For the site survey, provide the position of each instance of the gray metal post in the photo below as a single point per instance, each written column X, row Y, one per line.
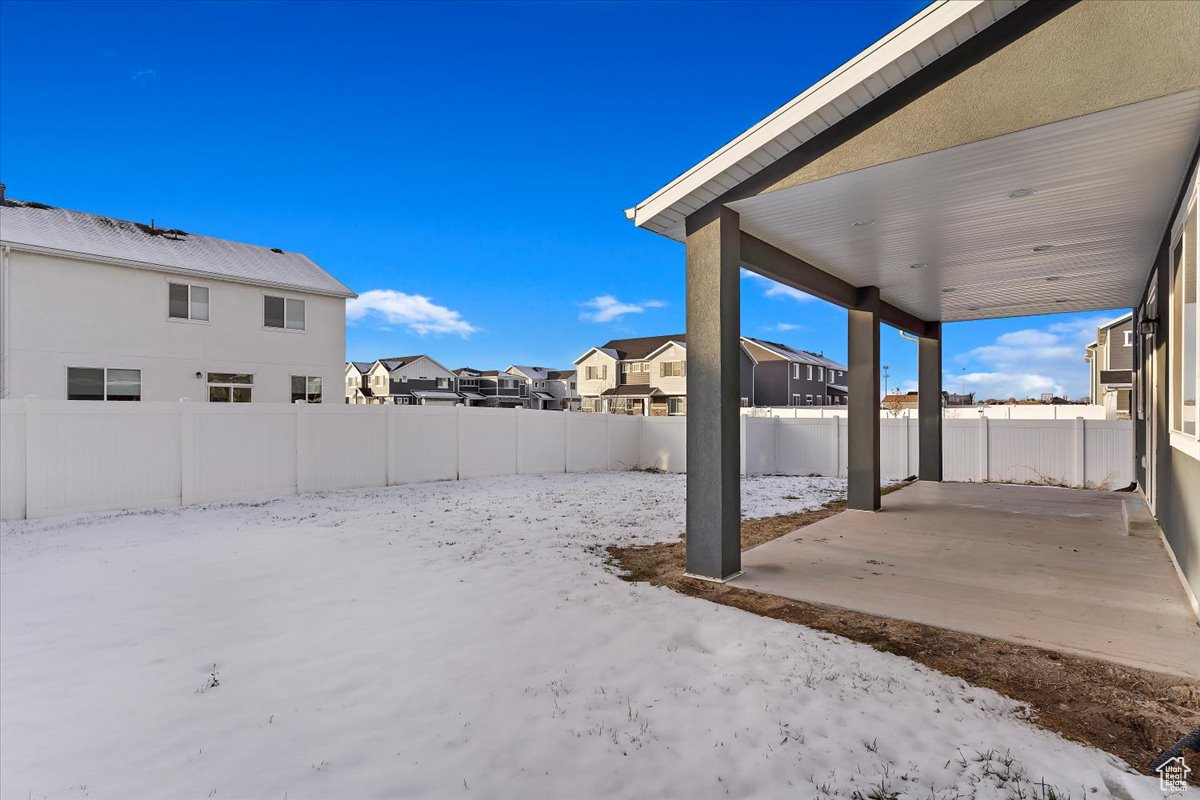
column 929, row 402
column 863, row 402
column 714, row 395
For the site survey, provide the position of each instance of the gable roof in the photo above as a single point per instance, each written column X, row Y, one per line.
column 38, row 228
column 914, row 45
column 363, row 367
column 794, row 354
column 640, row 347
column 396, row 362
column 533, row 373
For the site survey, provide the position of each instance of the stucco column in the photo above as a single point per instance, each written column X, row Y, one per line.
column 863, row 402
column 929, row 402
column 713, row 435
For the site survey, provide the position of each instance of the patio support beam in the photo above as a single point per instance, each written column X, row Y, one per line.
column 929, row 403
column 863, row 402
column 714, row 395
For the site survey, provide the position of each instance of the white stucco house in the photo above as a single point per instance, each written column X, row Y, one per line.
column 95, row 308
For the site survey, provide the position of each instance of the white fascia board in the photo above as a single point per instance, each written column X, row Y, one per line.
column 823, row 95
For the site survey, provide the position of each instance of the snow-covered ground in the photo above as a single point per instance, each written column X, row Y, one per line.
column 461, row 639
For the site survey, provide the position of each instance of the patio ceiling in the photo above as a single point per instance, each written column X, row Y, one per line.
column 1102, row 188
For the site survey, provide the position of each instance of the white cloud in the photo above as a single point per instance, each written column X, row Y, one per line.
column 412, row 311
column 773, row 289
column 784, row 327
column 606, row 308
column 1030, row 362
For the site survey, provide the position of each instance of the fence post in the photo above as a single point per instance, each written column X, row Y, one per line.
column 837, row 446
column 459, row 440
column 300, row 476
column 566, row 443
column 983, row 448
column 907, row 446
column 187, row 460
column 390, row 434
column 1080, row 476
column 33, row 434
column 607, row 443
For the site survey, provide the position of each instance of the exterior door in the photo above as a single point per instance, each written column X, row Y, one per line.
column 1149, row 389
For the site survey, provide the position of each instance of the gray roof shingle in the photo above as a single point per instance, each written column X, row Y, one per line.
column 42, row 228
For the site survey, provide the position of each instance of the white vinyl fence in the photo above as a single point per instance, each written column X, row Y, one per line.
column 999, row 411
column 63, row 457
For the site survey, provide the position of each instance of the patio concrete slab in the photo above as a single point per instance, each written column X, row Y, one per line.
column 1055, row 568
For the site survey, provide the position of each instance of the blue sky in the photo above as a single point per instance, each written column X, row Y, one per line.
column 463, row 166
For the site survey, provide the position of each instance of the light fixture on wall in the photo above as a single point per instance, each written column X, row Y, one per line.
column 199, row 375
column 1148, row 327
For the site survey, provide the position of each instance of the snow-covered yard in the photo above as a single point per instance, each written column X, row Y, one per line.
column 462, row 639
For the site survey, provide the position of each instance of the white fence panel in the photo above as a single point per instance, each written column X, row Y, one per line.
column 95, row 456
column 487, row 442
column 541, row 442
column 758, row 446
column 586, row 442
column 894, row 449
column 808, row 446
column 238, row 451
column 960, row 449
column 624, row 441
column 423, row 443
column 341, row 447
column 1031, row 450
column 12, row 459
column 664, row 443
column 1108, row 454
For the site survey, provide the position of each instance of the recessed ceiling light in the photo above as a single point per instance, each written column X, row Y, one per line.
column 1052, row 278
column 1041, row 248
column 1019, row 193
column 948, row 290
column 917, row 266
column 862, row 223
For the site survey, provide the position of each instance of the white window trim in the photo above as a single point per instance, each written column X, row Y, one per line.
column 67, row 384
column 307, row 378
column 263, row 312
column 208, row 385
column 1186, row 443
column 810, row 372
column 188, row 319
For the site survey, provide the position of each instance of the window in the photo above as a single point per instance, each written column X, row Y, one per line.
column 464, row 383
column 185, row 301
column 230, row 387
column 283, row 312
column 676, row 406
column 1185, row 318
column 98, row 383
column 821, row 374
column 808, row 398
column 572, row 385
column 306, row 388
column 1129, row 338
column 443, row 383
column 796, row 371
column 672, row 369
column 597, row 373
column 839, row 373
column 796, row 397
column 810, row 372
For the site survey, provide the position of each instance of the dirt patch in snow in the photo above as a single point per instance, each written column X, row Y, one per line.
column 1134, row 714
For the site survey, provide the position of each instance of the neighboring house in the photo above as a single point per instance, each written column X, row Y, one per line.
column 417, row 381
column 547, row 388
column 358, row 389
column 1110, row 366
column 96, row 308
column 646, row 375
column 491, row 388
column 784, row 376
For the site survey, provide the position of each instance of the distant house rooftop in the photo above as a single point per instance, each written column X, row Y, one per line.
column 39, row 228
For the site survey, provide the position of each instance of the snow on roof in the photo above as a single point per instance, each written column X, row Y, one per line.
column 35, row 227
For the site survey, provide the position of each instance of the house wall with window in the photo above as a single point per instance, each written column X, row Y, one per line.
column 73, row 314
column 595, row 373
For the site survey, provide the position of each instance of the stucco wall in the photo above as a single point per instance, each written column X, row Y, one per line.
column 69, row 313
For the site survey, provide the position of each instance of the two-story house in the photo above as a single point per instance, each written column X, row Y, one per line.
column 358, row 388
column 96, row 308
column 1110, row 366
column 546, row 388
column 646, row 375
column 785, row 376
column 415, row 380
column 491, row 388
